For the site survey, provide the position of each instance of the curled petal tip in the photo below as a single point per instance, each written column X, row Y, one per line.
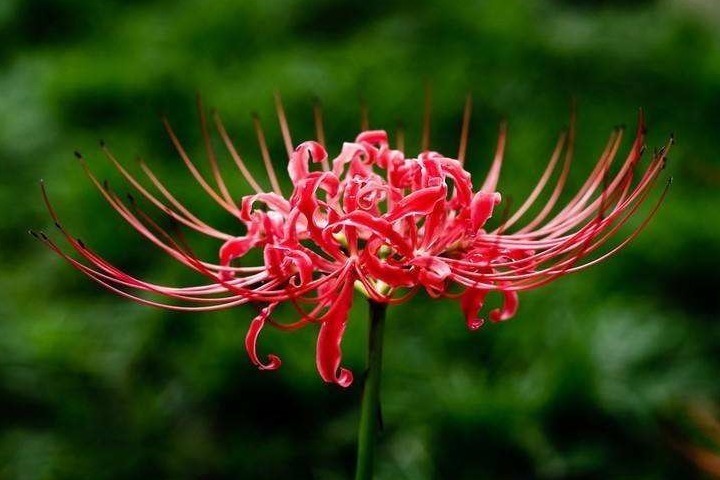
column 344, row 377
column 475, row 324
column 273, row 363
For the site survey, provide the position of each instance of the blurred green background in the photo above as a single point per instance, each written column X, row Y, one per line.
column 592, row 379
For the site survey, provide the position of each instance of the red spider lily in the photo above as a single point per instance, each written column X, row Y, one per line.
column 374, row 220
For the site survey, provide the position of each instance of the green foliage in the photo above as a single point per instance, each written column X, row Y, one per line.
column 583, row 383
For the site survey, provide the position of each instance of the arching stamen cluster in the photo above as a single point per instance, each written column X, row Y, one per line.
column 370, row 218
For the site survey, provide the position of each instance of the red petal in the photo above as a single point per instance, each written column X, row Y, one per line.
column 251, row 340
column 471, row 302
column 420, row 202
column 329, row 352
column 376, row 138
column 509, row 308
column 481, row 209
column 298, row 167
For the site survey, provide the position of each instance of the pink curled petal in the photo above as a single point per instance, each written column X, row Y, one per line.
column 347, row 154
column 471, row 302
column 420, row 202
column 509, row 309
column 481, row 209
column 437, row 266
column 237, row 247
column 377, row 226
column 317, row 151
column 299, row 167
column 272, row 200
column 273, row 362
column 375, row 138
column 461, row 180
column 332, row 328
column 304, row 266
column 381, row 270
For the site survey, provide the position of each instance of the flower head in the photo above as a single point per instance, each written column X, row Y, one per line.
column 377, row 220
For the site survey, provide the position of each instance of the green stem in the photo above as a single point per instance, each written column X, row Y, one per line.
column 370, row 408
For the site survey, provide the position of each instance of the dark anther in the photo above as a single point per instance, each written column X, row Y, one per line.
column 80, row 242
column 78, row 155
column 57, row 224
column 102, row 143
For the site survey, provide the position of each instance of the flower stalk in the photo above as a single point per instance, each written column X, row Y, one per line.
column 370, row 420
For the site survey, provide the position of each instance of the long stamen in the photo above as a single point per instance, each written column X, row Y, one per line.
column 193, row 169
column 192, row 221
column 364, row 116
column 266, row 155
column 494, row 174
column 320, row 131
column 425, row 141
column 541, row 183
column 467, row 113
column 284, row 128
column 400, row 137
column 570, row 148
column 187, row 218
column 235, row 156
column 210, row 151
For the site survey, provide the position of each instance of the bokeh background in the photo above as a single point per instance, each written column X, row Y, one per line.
column 612, row 373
